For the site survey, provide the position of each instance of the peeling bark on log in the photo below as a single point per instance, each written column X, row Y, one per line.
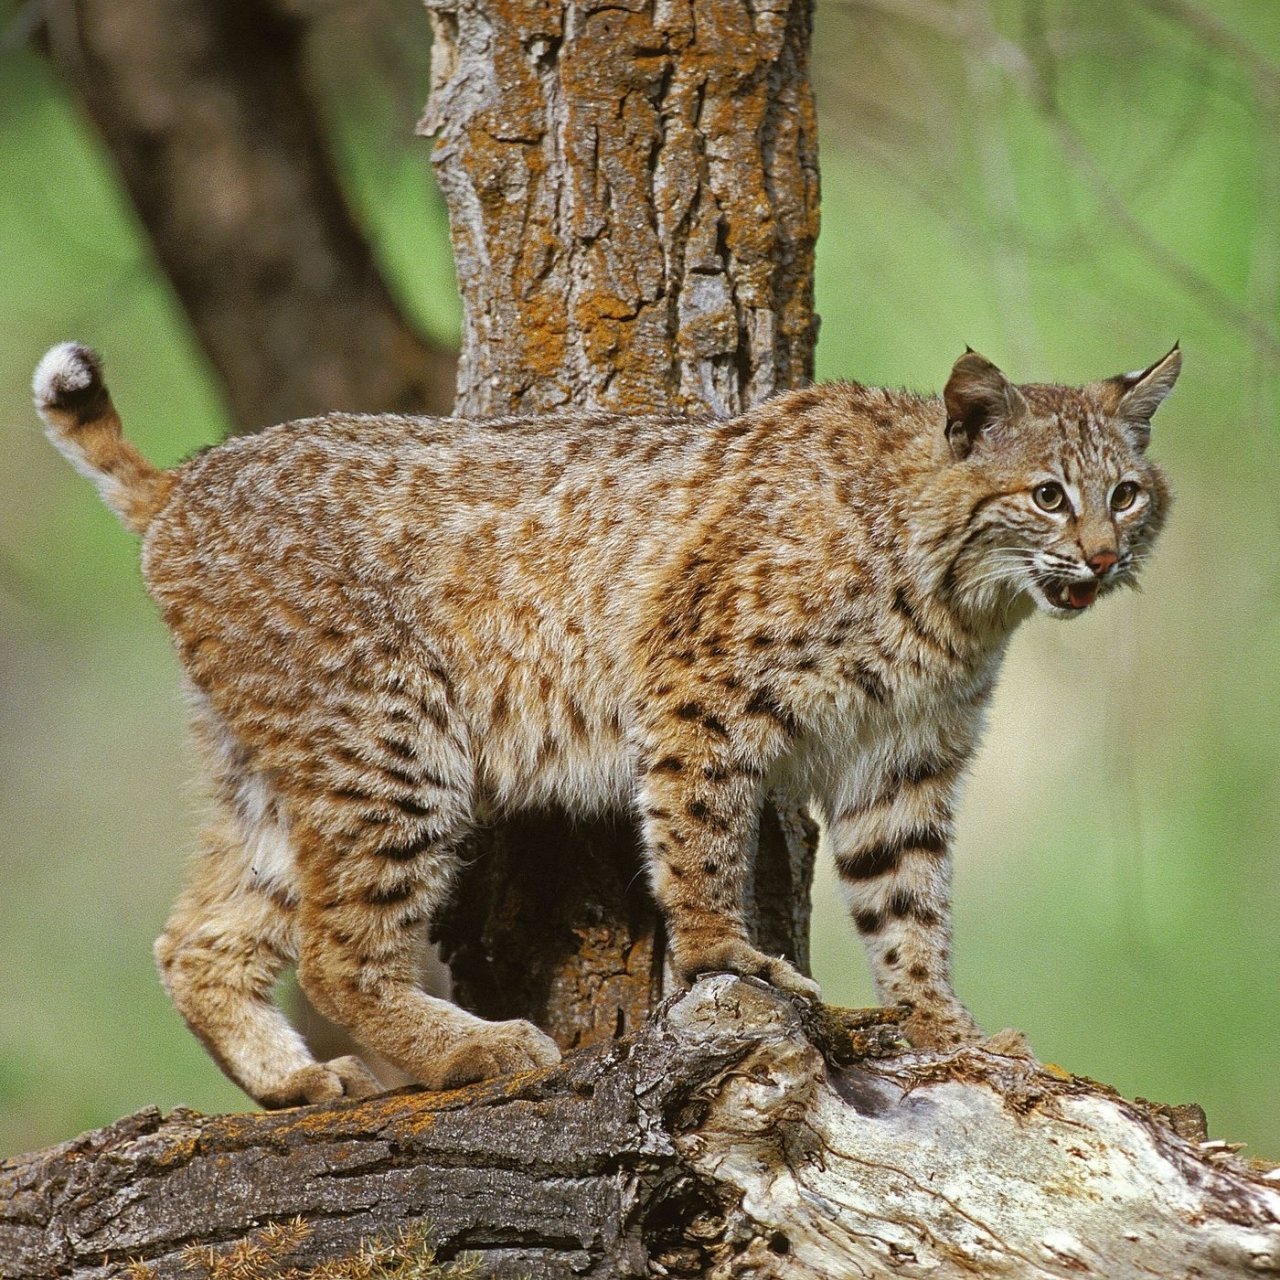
column 740, row 1135
column 633, row 198
column 204, row 106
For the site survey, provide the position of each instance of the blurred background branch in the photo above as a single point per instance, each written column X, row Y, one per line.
column 207, row 110
column 1031, row 68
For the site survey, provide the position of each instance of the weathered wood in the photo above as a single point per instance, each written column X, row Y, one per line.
column 740, row 1135
column 633, row 198
column 545, row 926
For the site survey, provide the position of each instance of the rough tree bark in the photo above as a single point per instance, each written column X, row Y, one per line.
column 633, row 196
column 736, row 1136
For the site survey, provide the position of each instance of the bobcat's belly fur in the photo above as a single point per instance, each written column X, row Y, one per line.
column 395, row 628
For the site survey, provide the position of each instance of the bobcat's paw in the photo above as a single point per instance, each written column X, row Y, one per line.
column 941, row 1029
column 497, row 1049
column 323, row 1082
column 1009, row 1043
column 732, row 955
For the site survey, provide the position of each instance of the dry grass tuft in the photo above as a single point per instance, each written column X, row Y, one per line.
column 265, row 1255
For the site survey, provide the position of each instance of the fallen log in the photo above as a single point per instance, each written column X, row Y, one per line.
column 737, row 1134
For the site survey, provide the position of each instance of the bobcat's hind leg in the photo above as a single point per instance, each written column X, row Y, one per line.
column 376, row 854
column 226, row 942
column 357, row 965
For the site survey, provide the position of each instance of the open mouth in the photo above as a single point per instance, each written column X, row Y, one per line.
column 1070, row 595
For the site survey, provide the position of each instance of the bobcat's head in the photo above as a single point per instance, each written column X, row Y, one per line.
column 1068, row 503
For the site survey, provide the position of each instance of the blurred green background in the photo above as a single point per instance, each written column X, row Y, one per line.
column 1066, row 186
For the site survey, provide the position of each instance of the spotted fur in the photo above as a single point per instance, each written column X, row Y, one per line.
column 394, row 628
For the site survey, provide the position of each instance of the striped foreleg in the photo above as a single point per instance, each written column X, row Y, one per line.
column 699, row 809
column 892, row 854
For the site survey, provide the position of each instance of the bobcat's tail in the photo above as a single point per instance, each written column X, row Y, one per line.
column 83, row 424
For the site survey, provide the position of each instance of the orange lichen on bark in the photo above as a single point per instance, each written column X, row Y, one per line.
column 633, row 201
column 605, row 987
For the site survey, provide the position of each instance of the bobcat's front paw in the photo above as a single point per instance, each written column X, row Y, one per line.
column 732, row 955
column 323, row 1082
column 497, row 1049
column 948, row 1027
column 1009, row 1043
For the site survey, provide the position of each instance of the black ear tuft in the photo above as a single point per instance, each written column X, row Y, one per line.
column 1143, row 392
column 1134, row 397
column 978, row 396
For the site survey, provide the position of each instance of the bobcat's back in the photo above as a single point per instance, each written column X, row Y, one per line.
column 531, row 563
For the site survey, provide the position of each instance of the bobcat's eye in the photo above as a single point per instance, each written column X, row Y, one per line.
column 1049, row 496
column 1124, row 495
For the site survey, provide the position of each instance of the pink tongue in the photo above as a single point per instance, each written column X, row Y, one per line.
column 1081, row 594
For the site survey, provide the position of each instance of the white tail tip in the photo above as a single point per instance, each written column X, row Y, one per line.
column 66, row 373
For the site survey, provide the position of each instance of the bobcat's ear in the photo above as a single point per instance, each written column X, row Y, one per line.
column 1134, row 397
column 978, row 397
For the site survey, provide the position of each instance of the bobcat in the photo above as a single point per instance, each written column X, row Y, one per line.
column 393, row 627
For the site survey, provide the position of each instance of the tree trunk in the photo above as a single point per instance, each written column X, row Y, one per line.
column 633, row 197
column 736, row 1136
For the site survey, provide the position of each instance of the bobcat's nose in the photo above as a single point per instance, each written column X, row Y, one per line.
column 1101, row 561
